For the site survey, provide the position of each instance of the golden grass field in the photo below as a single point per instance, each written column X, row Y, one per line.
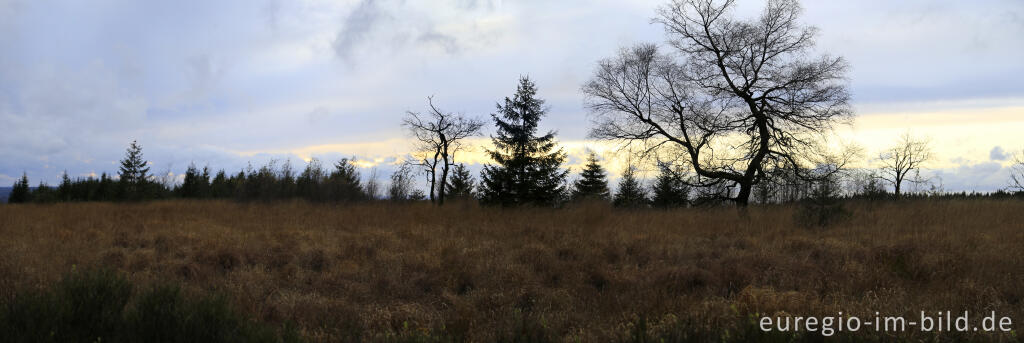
column 590, row 273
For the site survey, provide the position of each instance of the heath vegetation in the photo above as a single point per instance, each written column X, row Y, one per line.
column 416, row 272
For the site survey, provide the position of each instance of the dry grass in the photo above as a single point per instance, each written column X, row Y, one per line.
column 376, row 271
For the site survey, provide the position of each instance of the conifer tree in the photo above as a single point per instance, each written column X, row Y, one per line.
column 106, row 191
column 43, row 193
column 593, row 182
column 196, row 184
column 630, row 194
column 133, row 172
column 21, row 192
column 343, row 183
column 461, row 184
column 528, row 170
column 670, row 189
column 220, row 187
column 64, row 189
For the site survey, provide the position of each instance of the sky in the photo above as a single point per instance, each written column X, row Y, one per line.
column 233, row 83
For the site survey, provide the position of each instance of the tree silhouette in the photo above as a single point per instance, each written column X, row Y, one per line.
column 593, row 182
column 1017, row 172
column 439, row 136
column 461, row 184
column 133, row 173
column 343, row 183
column 400, row 188
column 528, row 166
column 195, row 184
column 670, row 188
column 64, row 189
column 751, row 91
column 20, row 193
column 631, row 193
column 905, row 157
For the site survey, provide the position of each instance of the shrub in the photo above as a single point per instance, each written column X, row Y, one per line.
column 98, row 305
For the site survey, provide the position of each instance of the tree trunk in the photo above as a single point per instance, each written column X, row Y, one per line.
column 444, row 177
column 743, row 198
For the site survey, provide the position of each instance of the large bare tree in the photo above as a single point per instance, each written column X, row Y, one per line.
column 735, row 100
column 903, row 158
column 439, row 136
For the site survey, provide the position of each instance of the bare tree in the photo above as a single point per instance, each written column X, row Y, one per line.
column 372, row 187
column 401, row 184
column 439, row 136
column 1017, row 171
column 905, row 157
column 743, row 98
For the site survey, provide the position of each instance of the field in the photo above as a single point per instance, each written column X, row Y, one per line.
column 393, row 272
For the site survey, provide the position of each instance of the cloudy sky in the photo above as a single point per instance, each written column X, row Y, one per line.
column 226, row 83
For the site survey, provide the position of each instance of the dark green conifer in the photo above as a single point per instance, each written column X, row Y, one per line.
column 631, row 193
column 593, row 182
column 528, row 169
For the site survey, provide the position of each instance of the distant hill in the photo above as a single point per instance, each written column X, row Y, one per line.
column 4, row 192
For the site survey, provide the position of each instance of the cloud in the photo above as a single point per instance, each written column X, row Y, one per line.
column 383, row 28
column 998, row 154
column 357, row 26
column 982, row 177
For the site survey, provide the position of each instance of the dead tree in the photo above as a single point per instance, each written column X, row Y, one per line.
column 906, row 156
column 439, row 136
column 743, row 96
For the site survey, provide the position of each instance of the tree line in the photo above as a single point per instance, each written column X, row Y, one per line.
column 736, row 111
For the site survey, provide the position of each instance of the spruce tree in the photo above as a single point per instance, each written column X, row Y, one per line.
column 196, row 184
column 106, row 191
column 461, row 184
column 64, row 189
column 133, row 172
column 21, row 192
column 343, row 183
column 528, row 166
column 630, row 194
column 220, row 187
column 593, row 182
column 670, row 189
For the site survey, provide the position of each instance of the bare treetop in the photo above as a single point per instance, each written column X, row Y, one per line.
column 752, row 89
column 438, row 136
column 908, row 155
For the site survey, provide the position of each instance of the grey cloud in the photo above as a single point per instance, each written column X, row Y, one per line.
column 446, row 42
column 983, row 177
column 356, row 27
column 402, row 26
column 998, row 154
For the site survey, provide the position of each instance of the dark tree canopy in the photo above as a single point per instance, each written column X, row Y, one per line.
column 20, row 192
column 735, row 98
column 461, row 185
column 631, row 193
column 134, row 173
column 593, row 182
column 670, row 188
column 528, row 167
column 196, row 183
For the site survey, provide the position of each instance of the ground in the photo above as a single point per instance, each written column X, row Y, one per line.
column 390, row 272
